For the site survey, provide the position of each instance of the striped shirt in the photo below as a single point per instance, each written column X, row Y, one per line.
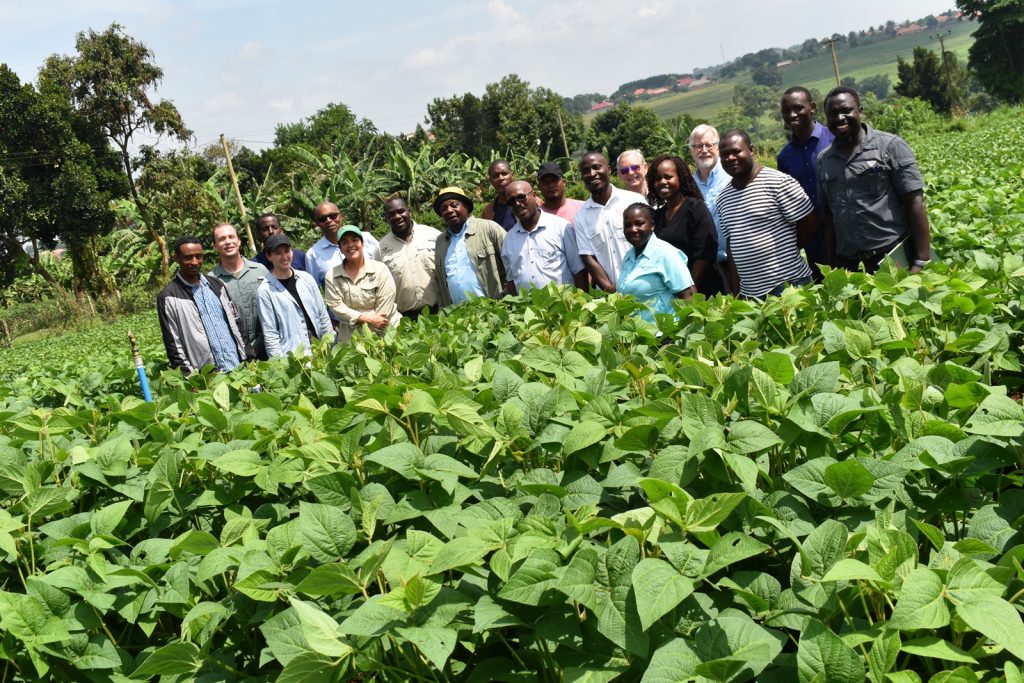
column 211, row 312
column 759, row 223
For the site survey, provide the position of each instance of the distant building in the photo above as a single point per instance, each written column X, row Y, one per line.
column 598, row 106
column 787, row 62
column 684, row 82
column 912, row 28
column 700, row 83
column 639, row 91
column 656, row 91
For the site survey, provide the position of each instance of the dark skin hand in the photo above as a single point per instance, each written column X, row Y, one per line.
column 686, row 293
column 597, row 272
column 582, row 280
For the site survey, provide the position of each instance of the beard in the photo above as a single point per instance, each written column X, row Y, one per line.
column 706, row 164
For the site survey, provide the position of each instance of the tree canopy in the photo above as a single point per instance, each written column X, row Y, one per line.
column 997, row 55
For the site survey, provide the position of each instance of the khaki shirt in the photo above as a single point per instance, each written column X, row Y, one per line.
column 412, row 265
column 373, row 292
column 242, row 287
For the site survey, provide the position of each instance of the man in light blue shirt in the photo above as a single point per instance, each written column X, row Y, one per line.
column 540, row 248
column 467, row 256
column 710, row 176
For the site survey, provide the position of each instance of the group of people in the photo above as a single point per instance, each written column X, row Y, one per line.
column 844, row 193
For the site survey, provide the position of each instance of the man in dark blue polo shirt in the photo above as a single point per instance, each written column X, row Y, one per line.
column 799, row 157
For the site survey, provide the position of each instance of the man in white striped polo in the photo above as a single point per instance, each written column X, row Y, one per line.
column 766, row 218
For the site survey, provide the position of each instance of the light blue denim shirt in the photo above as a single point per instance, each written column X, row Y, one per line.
column 284, row 328
column 655, row 276
column 463, row 281
column 717, row 180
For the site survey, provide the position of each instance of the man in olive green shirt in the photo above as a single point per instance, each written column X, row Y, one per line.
column 467, row 258
column 242, row 279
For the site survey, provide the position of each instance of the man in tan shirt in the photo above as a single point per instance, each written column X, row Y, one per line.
column 408, row 250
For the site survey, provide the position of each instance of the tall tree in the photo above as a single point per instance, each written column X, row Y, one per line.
column 928, row 78
column 997, row 55
column 110, row 81
column 627, row 126
column 511, row 117
column 58, row 176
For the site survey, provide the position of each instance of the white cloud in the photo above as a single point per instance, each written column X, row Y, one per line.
column 251, row 51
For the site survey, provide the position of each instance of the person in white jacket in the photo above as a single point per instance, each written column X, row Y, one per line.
column 291, row 310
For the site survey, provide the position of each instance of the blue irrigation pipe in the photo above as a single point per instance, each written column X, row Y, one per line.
column 140, row 368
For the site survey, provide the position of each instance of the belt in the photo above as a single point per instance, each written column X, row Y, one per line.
column 865, row 255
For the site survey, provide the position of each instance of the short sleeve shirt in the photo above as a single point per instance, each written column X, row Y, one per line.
column 864, row 192
column 548, row 253
column 599, row 230
column 759, row 222
column 567, row 210
column 655, row 276
column 412, row 265
column 799, row 159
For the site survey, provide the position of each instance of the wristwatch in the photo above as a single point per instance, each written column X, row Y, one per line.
column 921, row 263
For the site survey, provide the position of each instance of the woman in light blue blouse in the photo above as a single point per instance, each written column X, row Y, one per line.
column 653, row 270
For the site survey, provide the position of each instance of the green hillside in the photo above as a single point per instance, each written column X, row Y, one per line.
column 858, row 62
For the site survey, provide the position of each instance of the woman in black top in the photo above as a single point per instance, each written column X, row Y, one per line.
column 682, row 219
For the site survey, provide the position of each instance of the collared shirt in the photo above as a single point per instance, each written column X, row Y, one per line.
column 599, row 230
column 211, row 312
column 864, row 192
column 412, row 265
column 373, row 292
column 298, row 260
column 462, row 278
column 548, row 253
column 799, row 159
column 324, row 255
column 242, row 288
column 716, row 182
column 655, row 276
column 567, row 210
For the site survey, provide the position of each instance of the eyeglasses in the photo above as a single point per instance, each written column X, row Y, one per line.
column 327, row 217
column 698, row 146
column 519, row 198
column 633, row 168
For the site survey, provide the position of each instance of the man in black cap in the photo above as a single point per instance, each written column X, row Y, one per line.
column 467, row 256
column 551, row 182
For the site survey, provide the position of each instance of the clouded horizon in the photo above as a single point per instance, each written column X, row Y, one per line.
column 240, row 67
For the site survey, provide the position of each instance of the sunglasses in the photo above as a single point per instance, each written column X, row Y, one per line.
column 623, row 170
column 518, row 198
column 327, row 217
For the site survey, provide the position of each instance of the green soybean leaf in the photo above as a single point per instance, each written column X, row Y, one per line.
column 938, row 649
column 309, row 667
column 823, row 656
column 105, row 520
column 435, row 643
column 849, row 569
column 672, row 662
column 996, row 619
column 319, row 629
column 327, row 533
column 330, row 579
column 747, row 437
column 459, row 552
column 659, row 589
column 920, row 604
column 705, row 514
column 170, row 660
column 848, row 479
column 244, row 463
column 583, row 434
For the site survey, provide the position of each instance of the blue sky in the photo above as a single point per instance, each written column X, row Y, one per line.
column 240, row 67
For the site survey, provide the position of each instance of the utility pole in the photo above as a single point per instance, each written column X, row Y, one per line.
column 831, row 42
column 238, row 194
column 953, row 105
